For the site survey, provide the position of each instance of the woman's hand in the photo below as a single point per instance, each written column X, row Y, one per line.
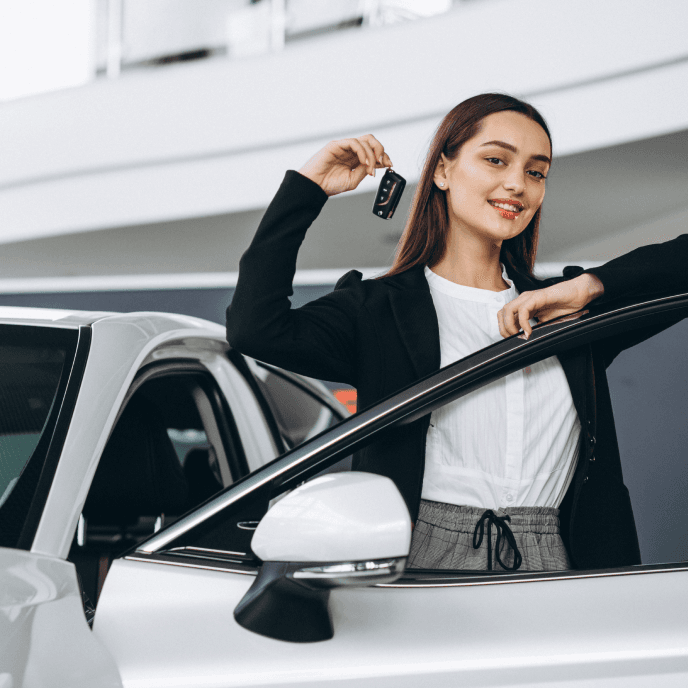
column 341, row 165
column 547, row 304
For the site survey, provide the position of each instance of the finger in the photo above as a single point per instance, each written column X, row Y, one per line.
column 343, row 152
column 506, row 329
column 357, row 175
column 523, row 317
column 500, row 323
column 360, row 151
column 509, row 320
column 378, row 148
column 387, row 160
column 370, row 156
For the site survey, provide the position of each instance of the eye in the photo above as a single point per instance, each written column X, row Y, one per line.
column 536, row 174
column 495, row 161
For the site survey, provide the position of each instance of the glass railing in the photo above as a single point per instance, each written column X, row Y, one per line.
column 135, row 34
column 72, row 42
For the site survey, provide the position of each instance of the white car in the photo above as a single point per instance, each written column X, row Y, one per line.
column 214, row 564
column 192, row 418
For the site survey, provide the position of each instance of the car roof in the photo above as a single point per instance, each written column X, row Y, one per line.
column 55, row 317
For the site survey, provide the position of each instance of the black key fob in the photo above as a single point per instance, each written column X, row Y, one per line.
column 391, row 187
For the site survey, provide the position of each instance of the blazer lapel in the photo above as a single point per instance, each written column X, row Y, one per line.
column 416, row 319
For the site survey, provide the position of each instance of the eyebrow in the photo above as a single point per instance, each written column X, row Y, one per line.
column 513, row 149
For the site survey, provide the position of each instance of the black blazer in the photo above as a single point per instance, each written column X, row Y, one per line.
column 381, row 335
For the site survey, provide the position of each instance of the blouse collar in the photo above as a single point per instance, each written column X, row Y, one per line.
column 460, row 291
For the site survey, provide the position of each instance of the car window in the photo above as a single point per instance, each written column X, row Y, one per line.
column 653, row 443
column 299, row 414
column 33, row 361
column 648, row 385
column 29, row 376
column 165, row 456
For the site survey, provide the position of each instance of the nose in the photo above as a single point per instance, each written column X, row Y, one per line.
column 515, row 180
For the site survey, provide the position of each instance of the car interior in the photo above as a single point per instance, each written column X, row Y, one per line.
column 157, row 464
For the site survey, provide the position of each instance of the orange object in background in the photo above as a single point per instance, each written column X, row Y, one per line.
column 346, row 397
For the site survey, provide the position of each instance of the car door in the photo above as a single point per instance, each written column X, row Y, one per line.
column 166, row 612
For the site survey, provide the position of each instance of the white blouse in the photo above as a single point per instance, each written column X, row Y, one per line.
column 510, row 443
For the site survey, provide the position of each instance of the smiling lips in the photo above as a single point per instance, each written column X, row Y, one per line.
column 507, row 208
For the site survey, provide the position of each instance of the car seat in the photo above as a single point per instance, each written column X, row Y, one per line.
column 138, row 481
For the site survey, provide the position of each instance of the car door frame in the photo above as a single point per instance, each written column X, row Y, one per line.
column 410, row 404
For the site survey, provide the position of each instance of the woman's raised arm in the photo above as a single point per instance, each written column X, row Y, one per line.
column 317, row 339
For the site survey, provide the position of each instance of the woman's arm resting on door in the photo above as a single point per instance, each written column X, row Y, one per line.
column 644, row 271
column 546, row 304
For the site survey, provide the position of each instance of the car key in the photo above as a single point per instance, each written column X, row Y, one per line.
column 391, row 187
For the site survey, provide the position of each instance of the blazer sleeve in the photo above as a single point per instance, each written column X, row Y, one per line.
column 645, row 271
column 318, row 339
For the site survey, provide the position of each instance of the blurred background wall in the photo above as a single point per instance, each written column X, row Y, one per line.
column 142, row 139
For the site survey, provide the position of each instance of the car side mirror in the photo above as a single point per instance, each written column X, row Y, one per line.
column 337, row 530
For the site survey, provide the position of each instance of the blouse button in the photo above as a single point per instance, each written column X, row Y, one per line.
column 509, row 498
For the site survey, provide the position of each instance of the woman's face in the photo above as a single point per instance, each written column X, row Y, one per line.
column 496, row 183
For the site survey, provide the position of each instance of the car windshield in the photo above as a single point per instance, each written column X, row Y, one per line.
column 32, row 360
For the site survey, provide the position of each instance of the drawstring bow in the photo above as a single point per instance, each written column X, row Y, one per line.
column 503, row 530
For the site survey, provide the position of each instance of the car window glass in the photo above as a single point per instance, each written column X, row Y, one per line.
column 185, row 439
column 158, row 464
column 299, row 415
column 648, row 385
column 535, row 432
column 29, row 376
column 35, row 363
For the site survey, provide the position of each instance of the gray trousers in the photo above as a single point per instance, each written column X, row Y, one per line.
column 443, row 538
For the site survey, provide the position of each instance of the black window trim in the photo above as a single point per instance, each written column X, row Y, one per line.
column 458, row 378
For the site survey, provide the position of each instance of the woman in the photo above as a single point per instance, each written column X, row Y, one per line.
column 469, row 244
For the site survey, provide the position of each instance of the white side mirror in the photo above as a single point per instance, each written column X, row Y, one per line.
column 337, row 517
column 339, row 529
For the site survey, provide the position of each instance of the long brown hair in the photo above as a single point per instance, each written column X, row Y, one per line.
column 424, row 240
